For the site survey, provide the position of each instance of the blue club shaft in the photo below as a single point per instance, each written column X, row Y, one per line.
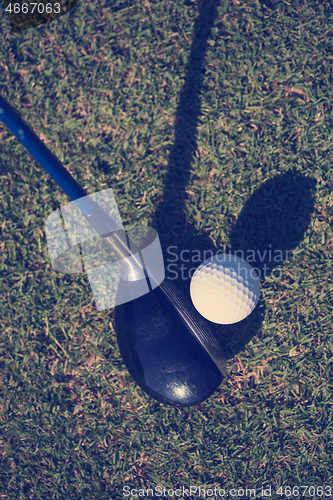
column 43, row 155
column 97, row 217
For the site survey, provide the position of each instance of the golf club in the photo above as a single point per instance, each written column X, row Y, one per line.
column 167, row 347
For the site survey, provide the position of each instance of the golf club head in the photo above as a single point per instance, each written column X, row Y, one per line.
column 167, row 347
column 165, row 343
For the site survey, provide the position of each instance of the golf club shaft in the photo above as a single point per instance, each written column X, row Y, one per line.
column 104, row 225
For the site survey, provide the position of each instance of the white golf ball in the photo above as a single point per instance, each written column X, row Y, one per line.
column 225, row 289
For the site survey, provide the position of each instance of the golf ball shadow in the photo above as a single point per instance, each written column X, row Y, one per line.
column 271, row 225
column 274, row 221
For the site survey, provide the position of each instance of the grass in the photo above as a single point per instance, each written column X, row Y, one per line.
column 212, row 122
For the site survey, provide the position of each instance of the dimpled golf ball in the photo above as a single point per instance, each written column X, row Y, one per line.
column 225, row 289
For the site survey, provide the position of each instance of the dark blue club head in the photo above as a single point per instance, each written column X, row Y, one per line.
column 160, row 337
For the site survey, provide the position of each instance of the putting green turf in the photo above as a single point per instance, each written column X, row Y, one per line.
column 213, row 124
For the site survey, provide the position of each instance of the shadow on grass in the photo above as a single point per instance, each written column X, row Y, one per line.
column 273, row 221
column 170, row 219
column 271, row 224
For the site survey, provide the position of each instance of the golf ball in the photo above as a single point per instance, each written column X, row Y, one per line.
column 225, row 289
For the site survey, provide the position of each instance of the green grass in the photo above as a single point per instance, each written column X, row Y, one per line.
column 212, row 123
